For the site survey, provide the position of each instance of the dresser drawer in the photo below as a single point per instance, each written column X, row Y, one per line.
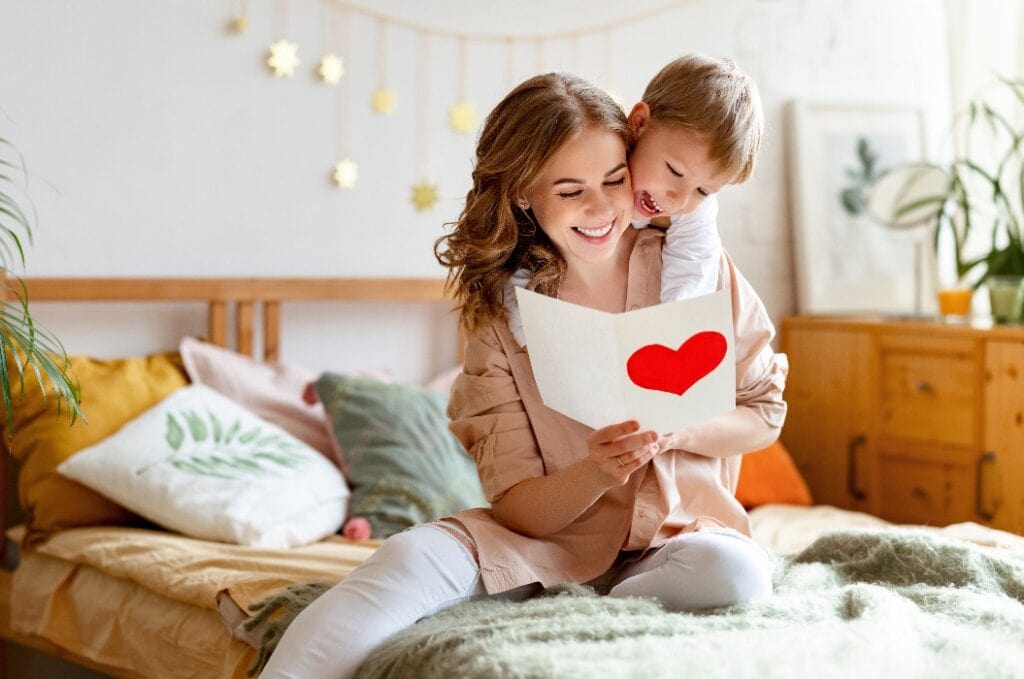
column 930, row 396
column 915, row 491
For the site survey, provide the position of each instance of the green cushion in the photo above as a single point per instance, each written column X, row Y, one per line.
column 404, row 465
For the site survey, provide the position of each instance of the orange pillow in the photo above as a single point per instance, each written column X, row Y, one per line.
column 770, row 476
column 113, row 392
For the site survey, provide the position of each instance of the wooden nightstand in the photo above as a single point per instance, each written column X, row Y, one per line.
column 914, row 421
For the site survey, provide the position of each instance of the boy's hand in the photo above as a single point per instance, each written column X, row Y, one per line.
column 674, row 440
column 620, row 449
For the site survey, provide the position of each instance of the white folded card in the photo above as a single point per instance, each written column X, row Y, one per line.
column 667, row 366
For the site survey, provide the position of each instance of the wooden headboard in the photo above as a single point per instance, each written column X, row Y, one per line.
column 239, row 297
column 229, row 301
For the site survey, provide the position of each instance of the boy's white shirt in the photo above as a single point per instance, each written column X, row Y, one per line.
column 689, row 261
column 690, row 256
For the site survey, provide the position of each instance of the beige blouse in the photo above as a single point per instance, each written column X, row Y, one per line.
column 497, row 413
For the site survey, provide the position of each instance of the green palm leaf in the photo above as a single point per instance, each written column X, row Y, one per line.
column 249, row 436
column 192, row 468
column 175, row 434
column 196, row 426
column 218, row 431
column 24, row 347
column 232, row 432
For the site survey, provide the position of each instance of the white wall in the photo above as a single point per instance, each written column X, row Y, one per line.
column 161, row 146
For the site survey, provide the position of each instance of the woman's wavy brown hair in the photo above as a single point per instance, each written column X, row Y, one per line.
column 493, row 236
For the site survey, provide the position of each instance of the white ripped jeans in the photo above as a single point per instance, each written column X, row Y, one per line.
column 424, row 570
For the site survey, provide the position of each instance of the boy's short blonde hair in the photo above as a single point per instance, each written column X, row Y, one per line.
column 715, row 99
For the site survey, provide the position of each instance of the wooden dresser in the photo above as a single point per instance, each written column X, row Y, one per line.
column 914, row 421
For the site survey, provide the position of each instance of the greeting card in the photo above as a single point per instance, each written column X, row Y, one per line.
column 667, row 366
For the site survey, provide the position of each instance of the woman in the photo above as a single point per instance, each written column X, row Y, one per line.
column 625, row 510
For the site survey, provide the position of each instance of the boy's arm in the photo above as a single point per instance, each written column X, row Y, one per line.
column 739, row 431
column 690, row 257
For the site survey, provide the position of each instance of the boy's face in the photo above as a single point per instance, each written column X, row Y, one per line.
column 671, row 167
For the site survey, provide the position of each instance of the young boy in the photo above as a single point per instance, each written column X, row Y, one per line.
column 698, row 128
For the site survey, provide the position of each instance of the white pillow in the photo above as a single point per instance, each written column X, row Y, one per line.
column 200, row 464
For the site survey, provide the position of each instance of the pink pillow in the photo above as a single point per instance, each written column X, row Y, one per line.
column 272, row 391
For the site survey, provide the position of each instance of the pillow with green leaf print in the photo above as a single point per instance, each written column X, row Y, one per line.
column 202, row 465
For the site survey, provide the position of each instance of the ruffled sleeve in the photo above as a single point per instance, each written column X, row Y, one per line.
column 489, row 418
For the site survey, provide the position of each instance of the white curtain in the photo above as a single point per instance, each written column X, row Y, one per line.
column 986, row 41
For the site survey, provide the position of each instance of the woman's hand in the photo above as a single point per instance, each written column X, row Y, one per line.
column 620, row 449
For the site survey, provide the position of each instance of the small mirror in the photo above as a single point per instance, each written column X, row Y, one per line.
column 909, row 195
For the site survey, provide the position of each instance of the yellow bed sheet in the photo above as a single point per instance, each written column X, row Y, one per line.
column 147, row 601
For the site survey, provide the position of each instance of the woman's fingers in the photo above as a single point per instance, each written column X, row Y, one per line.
column 614, row 431
column 620, row 449
column 631, row 442
column 639, row 459
column 632, row 456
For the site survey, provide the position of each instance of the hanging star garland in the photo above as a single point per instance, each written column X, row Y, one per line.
column 346, row 173
column 383, row 101
column 283, row 58
column 462, row 117
column 240, row 24
column 424, row 196
column 332, row 67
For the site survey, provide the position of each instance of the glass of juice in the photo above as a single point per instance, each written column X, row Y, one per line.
column 955, row 304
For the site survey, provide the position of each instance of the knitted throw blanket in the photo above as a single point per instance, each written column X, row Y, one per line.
column 891, row 603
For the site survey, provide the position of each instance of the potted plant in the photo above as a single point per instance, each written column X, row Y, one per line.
column 962, row 197
column 989, row 195
column 26, row 350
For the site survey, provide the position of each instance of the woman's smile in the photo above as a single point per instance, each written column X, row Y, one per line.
column 595, row 235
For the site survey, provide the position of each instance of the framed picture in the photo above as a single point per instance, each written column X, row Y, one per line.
column 846, row 261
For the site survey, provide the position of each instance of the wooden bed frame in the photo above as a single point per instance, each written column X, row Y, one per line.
column 229, row 301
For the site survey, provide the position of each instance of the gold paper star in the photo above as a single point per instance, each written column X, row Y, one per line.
column 424, row 196
column 283, row 58
column 383, row 101
column 462, row 117
column 240, row 24
column 332, row 67
column 346, row 173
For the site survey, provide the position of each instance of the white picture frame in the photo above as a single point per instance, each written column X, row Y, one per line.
column 849, row 263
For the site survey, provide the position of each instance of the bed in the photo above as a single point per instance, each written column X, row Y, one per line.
column 139, row 601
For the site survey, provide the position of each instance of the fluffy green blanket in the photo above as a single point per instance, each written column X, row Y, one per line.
column 853, row 604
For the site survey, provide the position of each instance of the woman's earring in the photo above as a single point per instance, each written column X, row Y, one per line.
column 524, row 205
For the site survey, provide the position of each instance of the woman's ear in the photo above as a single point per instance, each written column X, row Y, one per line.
column 639, row 117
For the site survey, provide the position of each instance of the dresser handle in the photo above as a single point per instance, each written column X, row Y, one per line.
column 988, row 457
column 923, row 387
column 851, row 467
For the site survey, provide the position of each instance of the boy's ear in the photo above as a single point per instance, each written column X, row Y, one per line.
column 639, row 117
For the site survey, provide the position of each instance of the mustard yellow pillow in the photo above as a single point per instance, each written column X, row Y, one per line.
column 113, row 392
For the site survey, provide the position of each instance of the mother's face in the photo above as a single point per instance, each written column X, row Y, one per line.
column 583, row 201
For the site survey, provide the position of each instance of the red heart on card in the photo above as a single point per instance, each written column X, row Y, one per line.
column 676, row 370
